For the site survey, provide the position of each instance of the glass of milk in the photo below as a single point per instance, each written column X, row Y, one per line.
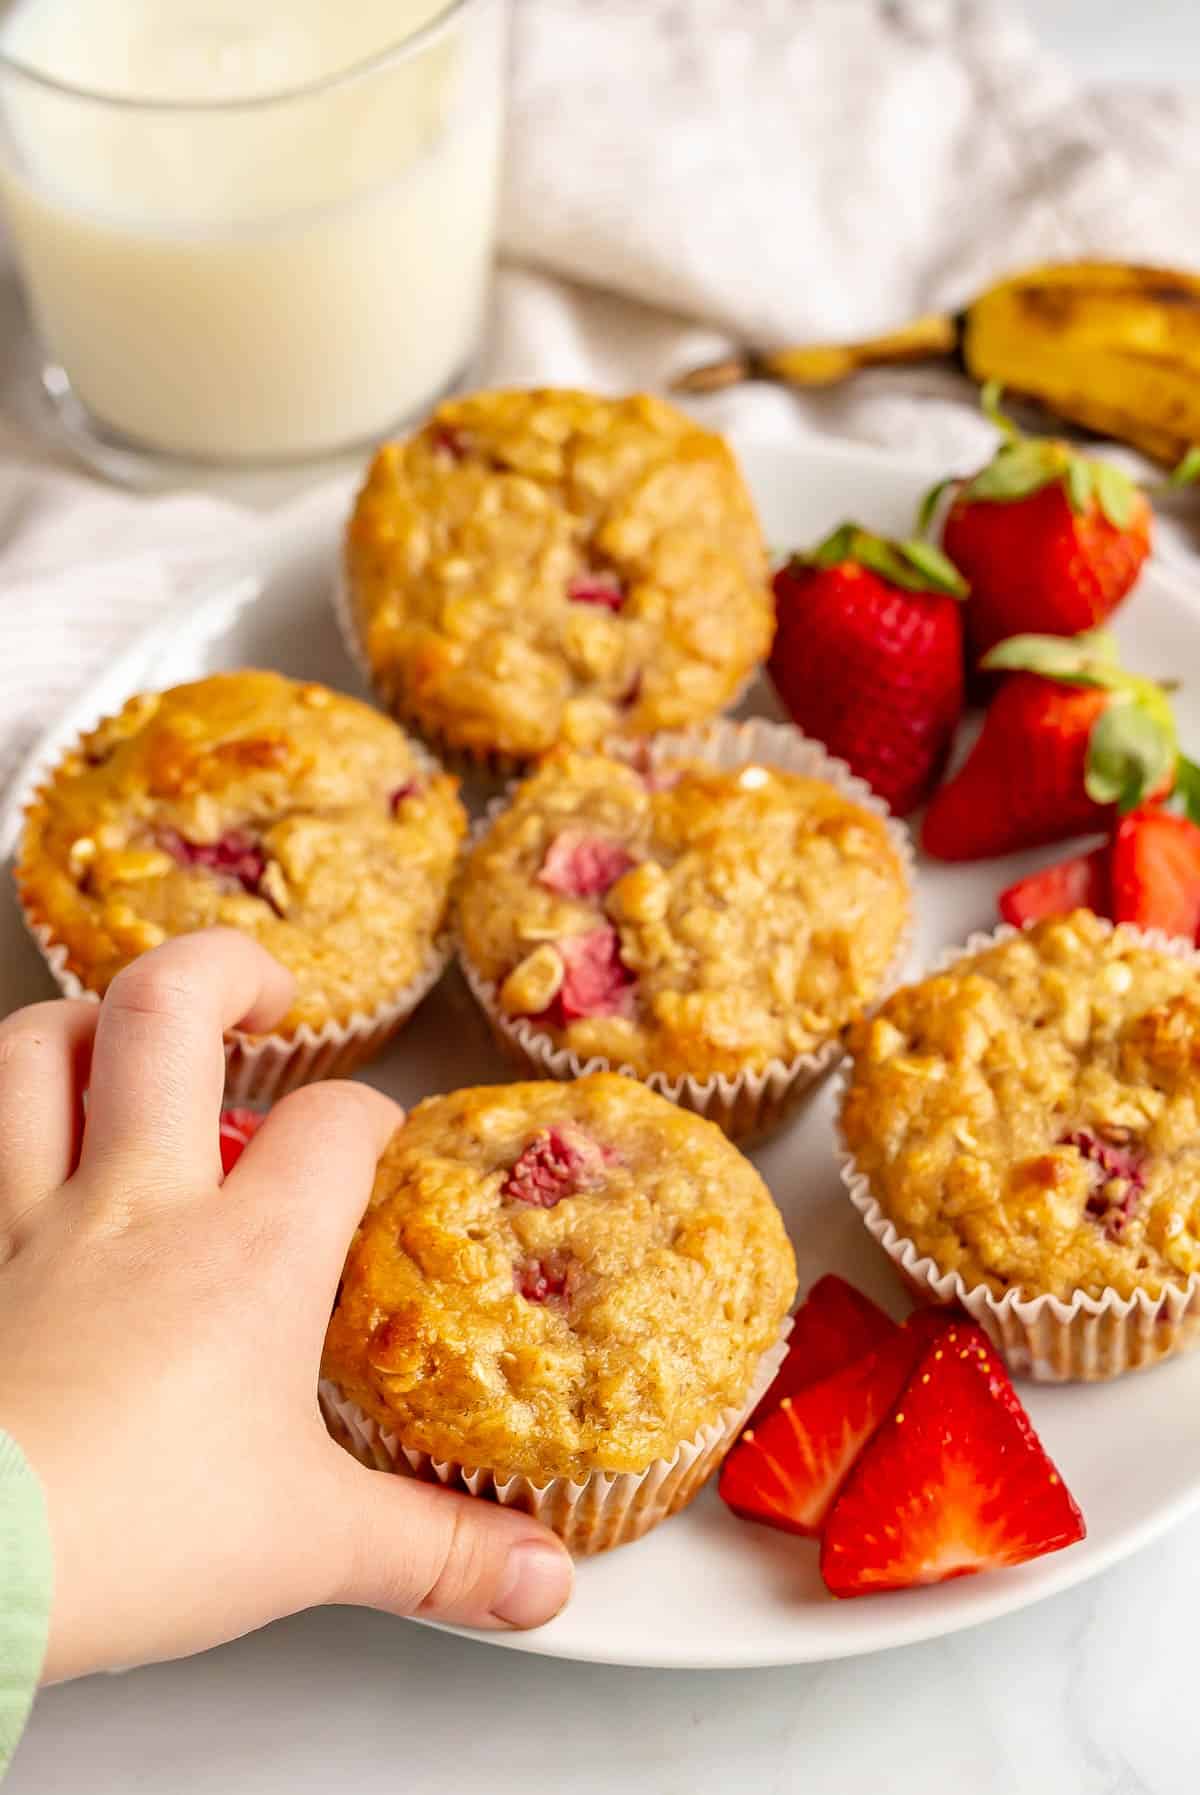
column 251, row 231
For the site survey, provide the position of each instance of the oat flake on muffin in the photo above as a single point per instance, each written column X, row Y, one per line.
column 687, row 921
column 554, row 1280
column 544, row 566
column 282, row 809
column 1029, row 1117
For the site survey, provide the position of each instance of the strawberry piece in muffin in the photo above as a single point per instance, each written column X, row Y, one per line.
column 235, row 856
column 596, row 981
column 597, row 589
column 544, row 1280
column 579, row 863
column 557, row 1163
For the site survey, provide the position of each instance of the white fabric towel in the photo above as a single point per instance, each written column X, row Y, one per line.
column 681, row 172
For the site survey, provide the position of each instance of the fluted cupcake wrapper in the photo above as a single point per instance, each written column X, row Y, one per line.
column 606, row 1509
column 1086, row 1339
column 753, row 1104
column 260, row 1069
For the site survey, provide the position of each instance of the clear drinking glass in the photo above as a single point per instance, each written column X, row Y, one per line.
column 267, row 273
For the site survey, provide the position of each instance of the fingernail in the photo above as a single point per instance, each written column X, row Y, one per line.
column 537, row 1585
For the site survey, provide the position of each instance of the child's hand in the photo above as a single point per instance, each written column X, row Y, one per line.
column 160, row 1335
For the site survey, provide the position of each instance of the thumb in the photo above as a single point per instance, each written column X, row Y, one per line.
column 420, row 1550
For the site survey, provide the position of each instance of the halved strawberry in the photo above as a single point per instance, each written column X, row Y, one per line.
column 238, row 1128
column 1079, row 883
column 955, row 1481
column 834, row 1325
column 787, row 1472
column 1156, row 872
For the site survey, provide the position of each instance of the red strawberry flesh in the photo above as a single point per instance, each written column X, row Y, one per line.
column 596, row 981
column 1156, row 872
column 234, row 855
column 543, row 1280
column 597, row 588
column 1116, row 1164
column 1079, row 883
column 834, row 1326
column 557, row 1163
column 954, row 1482
column 787, row 1471
column 238, row 1128
column 579, row 864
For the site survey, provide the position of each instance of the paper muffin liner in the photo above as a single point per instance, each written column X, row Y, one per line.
column 753, row 1104
column 1088, row 1339
column 606, row 1509
column 261, row 1069
column 490, row 766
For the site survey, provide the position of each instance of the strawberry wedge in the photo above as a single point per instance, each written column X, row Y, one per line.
column 954, row 1482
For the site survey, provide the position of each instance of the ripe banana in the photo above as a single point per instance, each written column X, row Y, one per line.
column 1107, row 345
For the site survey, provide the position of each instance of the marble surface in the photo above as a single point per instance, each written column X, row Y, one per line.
column 1087, row 1694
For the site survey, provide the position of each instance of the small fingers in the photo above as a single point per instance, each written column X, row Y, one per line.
column 158, row 1063
column 44, row 1056
column 316, row 1155
column 430, row 1552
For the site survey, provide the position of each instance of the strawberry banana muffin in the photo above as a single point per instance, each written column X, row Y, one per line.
column 682, row 922
column 536, row 567
column 1027, row 1121
column 299, row 816
column 575, row 1289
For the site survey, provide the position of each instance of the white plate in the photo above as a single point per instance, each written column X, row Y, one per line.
column 707, row 1590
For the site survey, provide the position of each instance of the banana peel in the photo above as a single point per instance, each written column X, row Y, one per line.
column 1111, row 346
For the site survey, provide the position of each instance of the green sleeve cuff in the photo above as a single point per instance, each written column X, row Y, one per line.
column 26, row 1584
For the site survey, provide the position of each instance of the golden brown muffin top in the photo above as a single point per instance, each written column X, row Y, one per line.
column 297, row 815
column 545, row 566
column 554, row 1279
column 1029, row 1118
column 686, row 921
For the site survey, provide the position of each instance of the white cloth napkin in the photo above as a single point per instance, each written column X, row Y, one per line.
column 683, row 172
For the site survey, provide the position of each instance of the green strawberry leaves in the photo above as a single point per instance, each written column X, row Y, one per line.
column 1023, row 465
column 1131, row 753
column 915, row 566
column 1133, row 747
column 1089, row 659
column 1185, row 794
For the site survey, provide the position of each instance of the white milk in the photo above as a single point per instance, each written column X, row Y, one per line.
column 261, row 280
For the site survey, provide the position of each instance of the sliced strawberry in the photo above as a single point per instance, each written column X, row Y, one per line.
column 238, row 1128
column 955, row 1481
column 787, row 1472
column 834, row 1325
column 1079, row 883
column 580, row 863
column 1156, row 872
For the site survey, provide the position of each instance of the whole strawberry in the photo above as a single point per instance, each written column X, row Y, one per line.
column 1069, row 741
column 1048, row 540
column 868, row 657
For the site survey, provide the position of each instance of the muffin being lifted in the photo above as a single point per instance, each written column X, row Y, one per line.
column 264, row 804
column 546, row 566
column 565, row 1296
